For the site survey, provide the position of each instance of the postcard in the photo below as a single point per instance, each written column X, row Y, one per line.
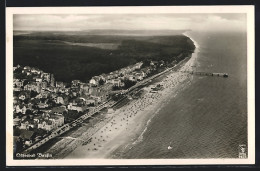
column 155, row 85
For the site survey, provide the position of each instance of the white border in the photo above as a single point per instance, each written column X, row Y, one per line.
column 130, row 10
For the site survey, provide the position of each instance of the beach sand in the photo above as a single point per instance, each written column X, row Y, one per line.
column 107, row 134
column 127, row 124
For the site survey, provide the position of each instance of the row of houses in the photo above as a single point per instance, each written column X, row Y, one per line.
column 60, row 94
column 25, row 127
column 53, row 98
column 46, row 122
column 38, row 76
column 116, row 78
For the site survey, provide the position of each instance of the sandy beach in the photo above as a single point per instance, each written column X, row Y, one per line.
column 126, row 125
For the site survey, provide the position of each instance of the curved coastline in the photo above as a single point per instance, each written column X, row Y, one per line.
column 194, row 41
column 122, row 134
column 167, row 95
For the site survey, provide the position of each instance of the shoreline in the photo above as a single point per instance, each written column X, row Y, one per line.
column 75, row 144
column 124, row 132
column 166, row 97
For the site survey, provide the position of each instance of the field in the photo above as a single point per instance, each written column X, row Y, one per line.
column 111, row 46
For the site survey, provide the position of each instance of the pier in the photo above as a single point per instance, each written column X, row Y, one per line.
column 225, row 75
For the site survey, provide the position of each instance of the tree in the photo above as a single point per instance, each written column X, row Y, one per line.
column 28, row 112
column 114, row 88
column 18, row 70
column 101, row 82
column 91, row 104
column 39, row 131
column 128, row 83
column 25, row 82
column 18, row 145
column 33, row 94
column 116, row 97
column 43, row 99
column 146, row 63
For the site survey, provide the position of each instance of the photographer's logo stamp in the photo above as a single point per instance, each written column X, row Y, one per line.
column 242, row 151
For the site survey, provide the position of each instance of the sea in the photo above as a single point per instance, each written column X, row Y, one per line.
column 208, row 118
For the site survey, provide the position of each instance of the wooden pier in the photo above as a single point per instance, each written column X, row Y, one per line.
column 225, row 75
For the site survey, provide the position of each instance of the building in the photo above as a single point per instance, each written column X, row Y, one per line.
column 27, row 123
column 22, row 96
column 46, row 125
column 59, row 110
column 97, row 98
column 75, row 83
column 36, row 71
column 20, row 109
column 57, row 120
column 154, row 63
column 52, row 89
column 94, row 91
column 52, row 80
column 17, row 83
column 44, row 85
column 33, row 87
column 138, row 65
column 46, row 77
column 18, row 66
column 59, row 100
column 60, row 84
column 139, row 76
column 117, row 82
column 94, row 81
column 72, row 106
column 43, row 94
column 131, row 78
column 27, row 67
column 16, row 121
column 37, row 79
column 103, row 77
column 85, row 89
column 63, row 90
column 91, row 101
column 15, row 100
column 110, row 81
column 49, row 122
column 42, row 105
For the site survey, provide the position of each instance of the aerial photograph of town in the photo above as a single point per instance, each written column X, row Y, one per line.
column 130, row 86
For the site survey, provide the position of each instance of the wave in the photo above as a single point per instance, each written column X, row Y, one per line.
column 188, row 64
column 140, row 138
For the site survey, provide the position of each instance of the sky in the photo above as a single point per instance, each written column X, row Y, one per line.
column 66, row 22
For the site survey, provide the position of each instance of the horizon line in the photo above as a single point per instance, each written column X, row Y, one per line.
column 111, row 30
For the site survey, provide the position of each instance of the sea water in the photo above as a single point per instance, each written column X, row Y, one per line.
column 208, row 119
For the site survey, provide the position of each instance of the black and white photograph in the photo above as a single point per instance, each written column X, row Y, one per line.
column 130, row 85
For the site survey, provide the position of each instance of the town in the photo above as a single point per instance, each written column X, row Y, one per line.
column 41, row 104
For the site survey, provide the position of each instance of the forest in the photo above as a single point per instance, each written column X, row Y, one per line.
column 48, row 52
